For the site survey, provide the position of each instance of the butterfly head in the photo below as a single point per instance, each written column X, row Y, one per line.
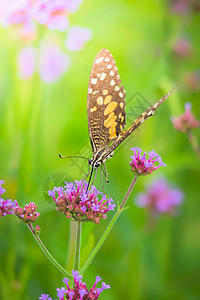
column 94, row 164
column 100, row 157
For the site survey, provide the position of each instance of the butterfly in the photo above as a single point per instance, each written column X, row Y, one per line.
column 106, row 110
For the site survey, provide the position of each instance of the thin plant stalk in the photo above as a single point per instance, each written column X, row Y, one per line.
column 110, row 225
column 48, row 255
column 71, row 246
column 193, row 142
column 77, row 246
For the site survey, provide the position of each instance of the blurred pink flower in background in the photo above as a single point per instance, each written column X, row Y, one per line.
column 186, row 121
column 27, row 62
column 53, row 63
column 184, row 6
column 192, row 80
column 50, row 61
column 160, row 198
column 14, row 12
column 182, row 47
column 53, row 14
column 76, row 38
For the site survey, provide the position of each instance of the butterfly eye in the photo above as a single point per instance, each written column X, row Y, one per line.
column 97, row 165
column 89, row 161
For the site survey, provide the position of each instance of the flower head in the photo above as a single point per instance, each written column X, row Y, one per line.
column 160, row 198
column 77, row 202
column 28, row 214
column 80, row 291
column 143, row 165
column 186, row 121
column 6, row 206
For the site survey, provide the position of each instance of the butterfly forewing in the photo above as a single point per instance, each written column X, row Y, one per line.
column 105, row 102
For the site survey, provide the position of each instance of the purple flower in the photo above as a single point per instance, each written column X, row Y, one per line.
column 186, row 121
column 160, row 198
column 53, row 63
column 61, row 292
column 45, row 297
column 28, row 214
column 6, row 206
column 77, row 37
column 143, row 165
column 79, row 290
column 80, row 204
column 27, row 62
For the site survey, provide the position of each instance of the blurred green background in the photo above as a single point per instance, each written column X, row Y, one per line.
column 39, row 120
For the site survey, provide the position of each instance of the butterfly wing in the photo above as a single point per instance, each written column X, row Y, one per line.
column 105, row 102
column 145, row 115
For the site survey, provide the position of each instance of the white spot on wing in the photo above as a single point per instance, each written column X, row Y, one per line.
column 111, row 73
column 109, row 66
column 112, row 82
column 107, row 59
column 98, row 60
column 103, row 76
column 94, row 80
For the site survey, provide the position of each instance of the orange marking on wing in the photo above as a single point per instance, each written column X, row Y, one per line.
column 93, row 109
column 112, row 131
column 110, row 120
column 107, row 99
column 111, row 106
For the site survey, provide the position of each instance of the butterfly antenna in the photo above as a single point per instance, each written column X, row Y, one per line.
column 72, row 156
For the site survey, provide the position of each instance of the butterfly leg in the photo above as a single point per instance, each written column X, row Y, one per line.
column 94, row 177
column 105, row 173
column 102, row 172
column 86, row 175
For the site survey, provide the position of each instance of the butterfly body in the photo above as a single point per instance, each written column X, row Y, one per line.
column 106, row 109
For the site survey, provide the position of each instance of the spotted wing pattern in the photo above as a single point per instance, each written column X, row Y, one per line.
column 105, row 102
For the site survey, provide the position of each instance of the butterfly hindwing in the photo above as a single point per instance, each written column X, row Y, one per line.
column 105, row 102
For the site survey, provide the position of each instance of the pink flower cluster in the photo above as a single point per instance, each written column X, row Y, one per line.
column 79, row 203
column 53, row 14
column 6, row 206
column 80, row 291
column 28, row 214
column 186, row 121
column 143, row 165
column 160, row 198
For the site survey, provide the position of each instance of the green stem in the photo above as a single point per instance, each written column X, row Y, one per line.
column 71, row 246
column 109, row 227
column 77, row 246
column 48, row 255
column 193, row 142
